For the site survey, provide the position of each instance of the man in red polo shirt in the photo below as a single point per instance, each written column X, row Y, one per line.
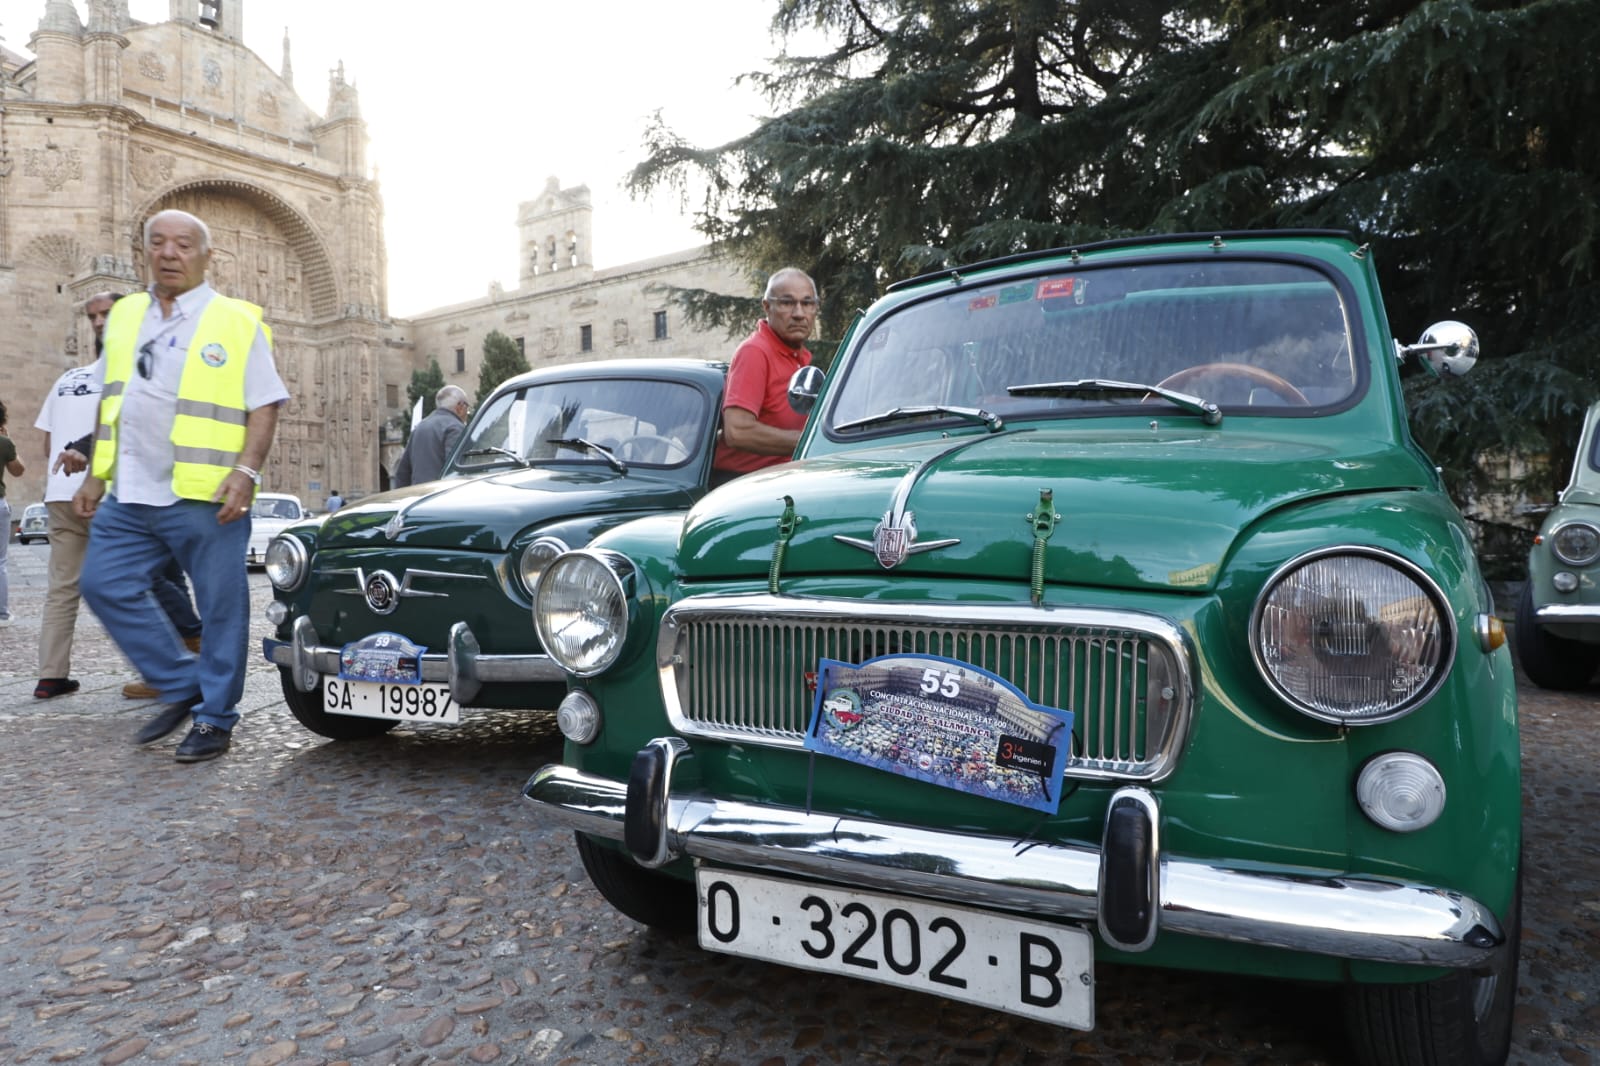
column 759, row 428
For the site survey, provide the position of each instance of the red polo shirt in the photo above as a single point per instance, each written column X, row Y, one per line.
column 758, row 382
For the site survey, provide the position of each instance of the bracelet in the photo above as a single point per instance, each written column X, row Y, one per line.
column 253, row 475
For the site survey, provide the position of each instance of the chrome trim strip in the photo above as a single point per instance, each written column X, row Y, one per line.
column 1043, row 620
column 406, row 590
column 1319, row 911
column 1568, row 612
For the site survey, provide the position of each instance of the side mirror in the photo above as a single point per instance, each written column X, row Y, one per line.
column 805, row 385
column 1448, row 349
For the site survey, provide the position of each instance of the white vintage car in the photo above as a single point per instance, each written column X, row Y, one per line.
column 272, row 513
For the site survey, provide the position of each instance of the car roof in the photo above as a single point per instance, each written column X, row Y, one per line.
column 702, row 370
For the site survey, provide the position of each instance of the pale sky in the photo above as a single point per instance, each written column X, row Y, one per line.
column 472, row 107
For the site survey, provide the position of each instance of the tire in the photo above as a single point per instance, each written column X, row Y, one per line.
column 1463, row 1019
column 307, row 710
column 1550, row 661
column 651, row 898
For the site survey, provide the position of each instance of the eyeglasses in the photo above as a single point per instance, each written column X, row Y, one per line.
column 787, row 304
column 147, row 359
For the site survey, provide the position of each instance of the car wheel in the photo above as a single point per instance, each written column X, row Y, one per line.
column 307, row 710
column 1463, row 1019
column 659, row 901
column 1550, row 661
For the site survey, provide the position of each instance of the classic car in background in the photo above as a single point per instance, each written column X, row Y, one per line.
column 271, row 514
column 34, row 524
column 1109, row 613
column 413, row 604
column 1557, row 632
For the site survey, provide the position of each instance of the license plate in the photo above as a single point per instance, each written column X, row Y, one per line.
column 1008, row 964
column 422, row 702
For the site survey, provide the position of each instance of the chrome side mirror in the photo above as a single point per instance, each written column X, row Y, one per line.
column 1448, row 349
column 805, row 385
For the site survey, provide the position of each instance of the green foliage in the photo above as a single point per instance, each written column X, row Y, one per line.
column 501, row 360
column 1456, row 136
column 424, row 386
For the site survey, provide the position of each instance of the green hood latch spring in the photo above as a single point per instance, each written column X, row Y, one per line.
column 1043, row 520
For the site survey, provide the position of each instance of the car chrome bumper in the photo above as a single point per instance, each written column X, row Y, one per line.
column 1322, row 912
column 463, row 667
column 1574, row 613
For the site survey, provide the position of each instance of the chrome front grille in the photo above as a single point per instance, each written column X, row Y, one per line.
column 742, row 668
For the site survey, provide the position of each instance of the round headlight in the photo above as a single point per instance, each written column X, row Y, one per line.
column 286, row 562
column 535, row 557
column 1401, row 791
column 1576, row 543
column 581, row 610
column 1352, row 636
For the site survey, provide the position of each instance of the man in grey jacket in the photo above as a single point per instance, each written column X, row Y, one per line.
column 433, row 440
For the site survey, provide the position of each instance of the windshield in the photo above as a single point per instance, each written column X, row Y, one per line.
column 1255, row 337
column 269, row 507
column 646, row 422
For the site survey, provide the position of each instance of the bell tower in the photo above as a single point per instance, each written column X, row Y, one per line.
column 555, row 230
column 225, row 18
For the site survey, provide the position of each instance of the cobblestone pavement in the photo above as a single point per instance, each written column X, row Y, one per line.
column 300, row 901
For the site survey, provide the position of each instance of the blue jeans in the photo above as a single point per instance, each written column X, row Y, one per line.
column 172, row 590
column 128, row 544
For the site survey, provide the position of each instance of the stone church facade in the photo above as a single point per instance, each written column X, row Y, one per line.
column 113, row 120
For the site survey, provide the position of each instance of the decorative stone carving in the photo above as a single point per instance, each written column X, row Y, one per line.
column 58, row 253
column 150, row 66
column 54, row 164
column 211, row 76
column 549, row 340
column 150, row 168
column 619, row 331
column 267, row 104
column 518, row 315
column 457, row 327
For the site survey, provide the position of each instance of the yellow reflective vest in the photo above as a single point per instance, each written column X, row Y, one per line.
column 208, row 432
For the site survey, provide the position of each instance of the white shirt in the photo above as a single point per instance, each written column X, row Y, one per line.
column 149, row 407
column 69, row 412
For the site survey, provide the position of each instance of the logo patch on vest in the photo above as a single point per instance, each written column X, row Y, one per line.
column 214, row 354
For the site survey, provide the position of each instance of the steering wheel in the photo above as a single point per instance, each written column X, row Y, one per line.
column 1190, row 376
column 638, row 449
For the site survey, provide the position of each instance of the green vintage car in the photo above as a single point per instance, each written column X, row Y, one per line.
column 1557, row 634
column 409, row 605
column 1108, row 614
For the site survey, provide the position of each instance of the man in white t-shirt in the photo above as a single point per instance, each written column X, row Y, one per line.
column 69, row 412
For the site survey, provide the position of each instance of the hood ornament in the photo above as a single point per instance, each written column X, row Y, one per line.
column 894, row 538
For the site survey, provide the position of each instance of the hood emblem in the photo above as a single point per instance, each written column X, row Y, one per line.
column 392, row 528
column 382, row 592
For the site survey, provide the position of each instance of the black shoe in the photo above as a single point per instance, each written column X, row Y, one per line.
column 205, row 741
column 167, row 719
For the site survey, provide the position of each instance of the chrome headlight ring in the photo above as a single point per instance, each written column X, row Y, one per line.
column 535, row 557
column 582, row 608
column 287, row 562
column 1352, row 635
column 1575, row 543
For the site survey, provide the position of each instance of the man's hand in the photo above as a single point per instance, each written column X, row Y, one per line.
column 70, row 462
column 235, row 494
column 87, row 499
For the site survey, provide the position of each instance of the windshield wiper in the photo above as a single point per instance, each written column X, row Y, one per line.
column 493, row 450
column 897, row 414
column 1099, row 388
column 588, row 445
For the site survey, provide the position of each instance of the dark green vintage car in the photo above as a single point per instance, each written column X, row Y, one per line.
column 1109, row 614
column 412, row 604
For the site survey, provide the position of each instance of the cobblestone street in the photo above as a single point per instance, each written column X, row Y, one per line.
column 396, row 901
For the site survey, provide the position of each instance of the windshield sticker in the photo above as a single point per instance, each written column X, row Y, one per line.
column 1016, row 294
column 384, row 657
column 1056, row 288
column 982, row 303
column 945, row 722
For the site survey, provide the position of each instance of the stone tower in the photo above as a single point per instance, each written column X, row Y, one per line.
column 555, row 231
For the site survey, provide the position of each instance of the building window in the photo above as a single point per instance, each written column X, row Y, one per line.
column 585, row 338
column 522, row 348
column 461, row 360
column 661, row 325
column 391, row 395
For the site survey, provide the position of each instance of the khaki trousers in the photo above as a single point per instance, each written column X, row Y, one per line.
column 69, row 540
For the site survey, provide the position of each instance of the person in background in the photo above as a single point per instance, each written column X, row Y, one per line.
column 335, row 501
column 759, row 428
column 434, row 439
column 9, row 464
column 162, row 487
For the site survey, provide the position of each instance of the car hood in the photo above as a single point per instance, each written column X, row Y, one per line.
column 1158, row 511
column 486, row 513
